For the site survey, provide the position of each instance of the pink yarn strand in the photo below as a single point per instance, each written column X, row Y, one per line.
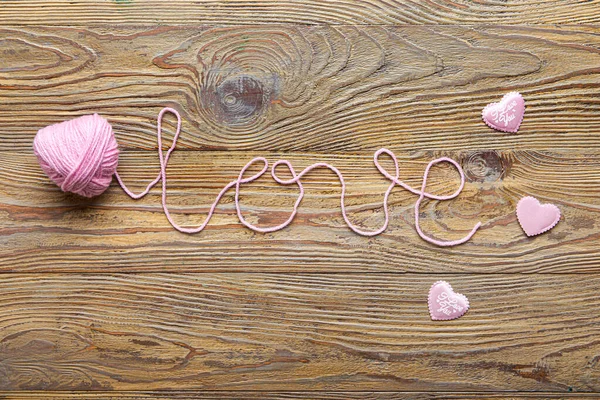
column 296, row 179
column 422, row 195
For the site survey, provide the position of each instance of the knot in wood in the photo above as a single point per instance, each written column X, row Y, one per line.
column 484, row 166
column 235, row 100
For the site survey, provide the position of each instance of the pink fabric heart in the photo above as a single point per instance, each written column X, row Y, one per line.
column 536, row 218
column 444, row 303
column 507, row 115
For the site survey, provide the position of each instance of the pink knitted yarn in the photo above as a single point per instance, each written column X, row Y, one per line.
column 80, row 155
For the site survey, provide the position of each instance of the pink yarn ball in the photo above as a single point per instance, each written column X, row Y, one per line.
column 80, row 155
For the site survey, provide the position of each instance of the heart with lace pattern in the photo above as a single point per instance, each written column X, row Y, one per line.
column 445, row 303
column 536, row 218
column 506, row 115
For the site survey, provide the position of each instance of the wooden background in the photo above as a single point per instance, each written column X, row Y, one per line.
column 103, row 295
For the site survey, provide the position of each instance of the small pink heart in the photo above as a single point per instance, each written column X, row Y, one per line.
column 444, row 303
column 536, row 218
column 507, row 115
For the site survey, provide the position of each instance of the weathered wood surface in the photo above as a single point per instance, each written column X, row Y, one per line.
column 303, row 88
column 296, row 332
column 69, row 12
column 313, row 309
column 44, row 229
column 313, row 395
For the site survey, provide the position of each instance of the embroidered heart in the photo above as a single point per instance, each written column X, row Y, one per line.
column 507, row 115
column 444, row 303
column 536, row 218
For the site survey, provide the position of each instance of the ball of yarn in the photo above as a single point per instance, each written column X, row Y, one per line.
column 80, row 155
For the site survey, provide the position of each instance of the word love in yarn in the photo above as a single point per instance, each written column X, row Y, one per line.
column 80, row 156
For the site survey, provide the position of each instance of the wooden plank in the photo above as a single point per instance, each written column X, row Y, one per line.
column 39, row 12
column 43, row 229
column 304, row 88
column 296, row 332
column 314, row 395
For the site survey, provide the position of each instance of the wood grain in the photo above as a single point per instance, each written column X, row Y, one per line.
column 102, row 299
column 43, row 229
column 63, row 12
column 314, row 395
column 302, row 88
column 296, row 332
